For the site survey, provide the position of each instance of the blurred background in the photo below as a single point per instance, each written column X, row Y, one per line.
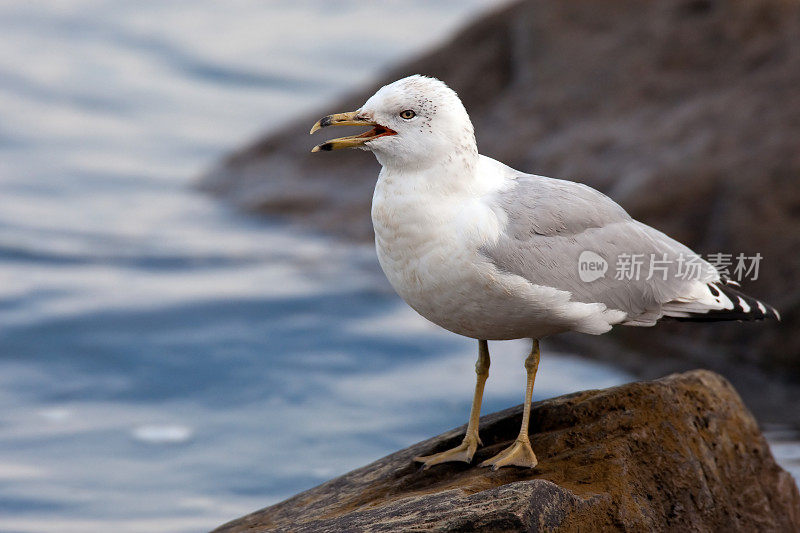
column 193, row 324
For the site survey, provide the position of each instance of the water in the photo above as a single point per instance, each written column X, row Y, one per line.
column 165, row 364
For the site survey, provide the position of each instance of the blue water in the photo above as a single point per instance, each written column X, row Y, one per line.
column 166, row 364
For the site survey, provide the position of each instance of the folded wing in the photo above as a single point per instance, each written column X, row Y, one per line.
column 554, row 226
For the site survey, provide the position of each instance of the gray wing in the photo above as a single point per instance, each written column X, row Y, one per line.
column 551, row 223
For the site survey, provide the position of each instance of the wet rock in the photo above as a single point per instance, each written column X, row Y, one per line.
column 678, row 454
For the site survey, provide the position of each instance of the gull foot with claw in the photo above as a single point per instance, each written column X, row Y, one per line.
column 463, row 452
column 518, row 454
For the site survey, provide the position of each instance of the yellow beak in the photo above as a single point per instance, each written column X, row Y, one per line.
column 354, row 141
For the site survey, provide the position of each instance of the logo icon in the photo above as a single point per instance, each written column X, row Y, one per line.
column 591, row 266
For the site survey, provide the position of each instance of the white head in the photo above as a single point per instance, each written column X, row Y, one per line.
column 419, row 122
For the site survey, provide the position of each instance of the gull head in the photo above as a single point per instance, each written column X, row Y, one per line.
column 416, row 121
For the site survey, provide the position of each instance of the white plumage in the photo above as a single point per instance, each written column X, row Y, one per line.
column 491, row 253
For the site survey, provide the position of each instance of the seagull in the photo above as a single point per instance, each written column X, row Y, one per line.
column 492, row 253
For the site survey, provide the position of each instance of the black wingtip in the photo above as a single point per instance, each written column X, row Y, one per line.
column 744, row 307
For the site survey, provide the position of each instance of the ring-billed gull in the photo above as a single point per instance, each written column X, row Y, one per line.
column 492, row 253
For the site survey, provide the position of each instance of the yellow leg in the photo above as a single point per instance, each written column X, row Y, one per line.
column 465, row 450
column 520, row 453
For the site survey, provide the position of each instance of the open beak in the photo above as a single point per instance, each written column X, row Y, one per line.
column 349, row 119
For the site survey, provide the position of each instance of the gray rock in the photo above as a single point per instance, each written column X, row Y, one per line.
column 678, row 454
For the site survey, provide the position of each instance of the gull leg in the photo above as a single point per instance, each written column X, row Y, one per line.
column 465, row 450
column 520, row 453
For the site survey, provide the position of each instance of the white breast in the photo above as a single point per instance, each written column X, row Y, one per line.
column 428, row 243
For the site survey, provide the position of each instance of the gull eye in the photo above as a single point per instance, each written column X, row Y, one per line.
column 407, row 114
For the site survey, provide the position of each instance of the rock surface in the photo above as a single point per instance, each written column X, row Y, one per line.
column 685, row 111
column 678, row 454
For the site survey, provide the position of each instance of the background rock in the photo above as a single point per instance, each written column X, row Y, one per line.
column 686, row 112
column 678, row 454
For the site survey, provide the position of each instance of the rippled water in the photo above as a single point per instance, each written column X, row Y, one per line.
column 165, row 364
